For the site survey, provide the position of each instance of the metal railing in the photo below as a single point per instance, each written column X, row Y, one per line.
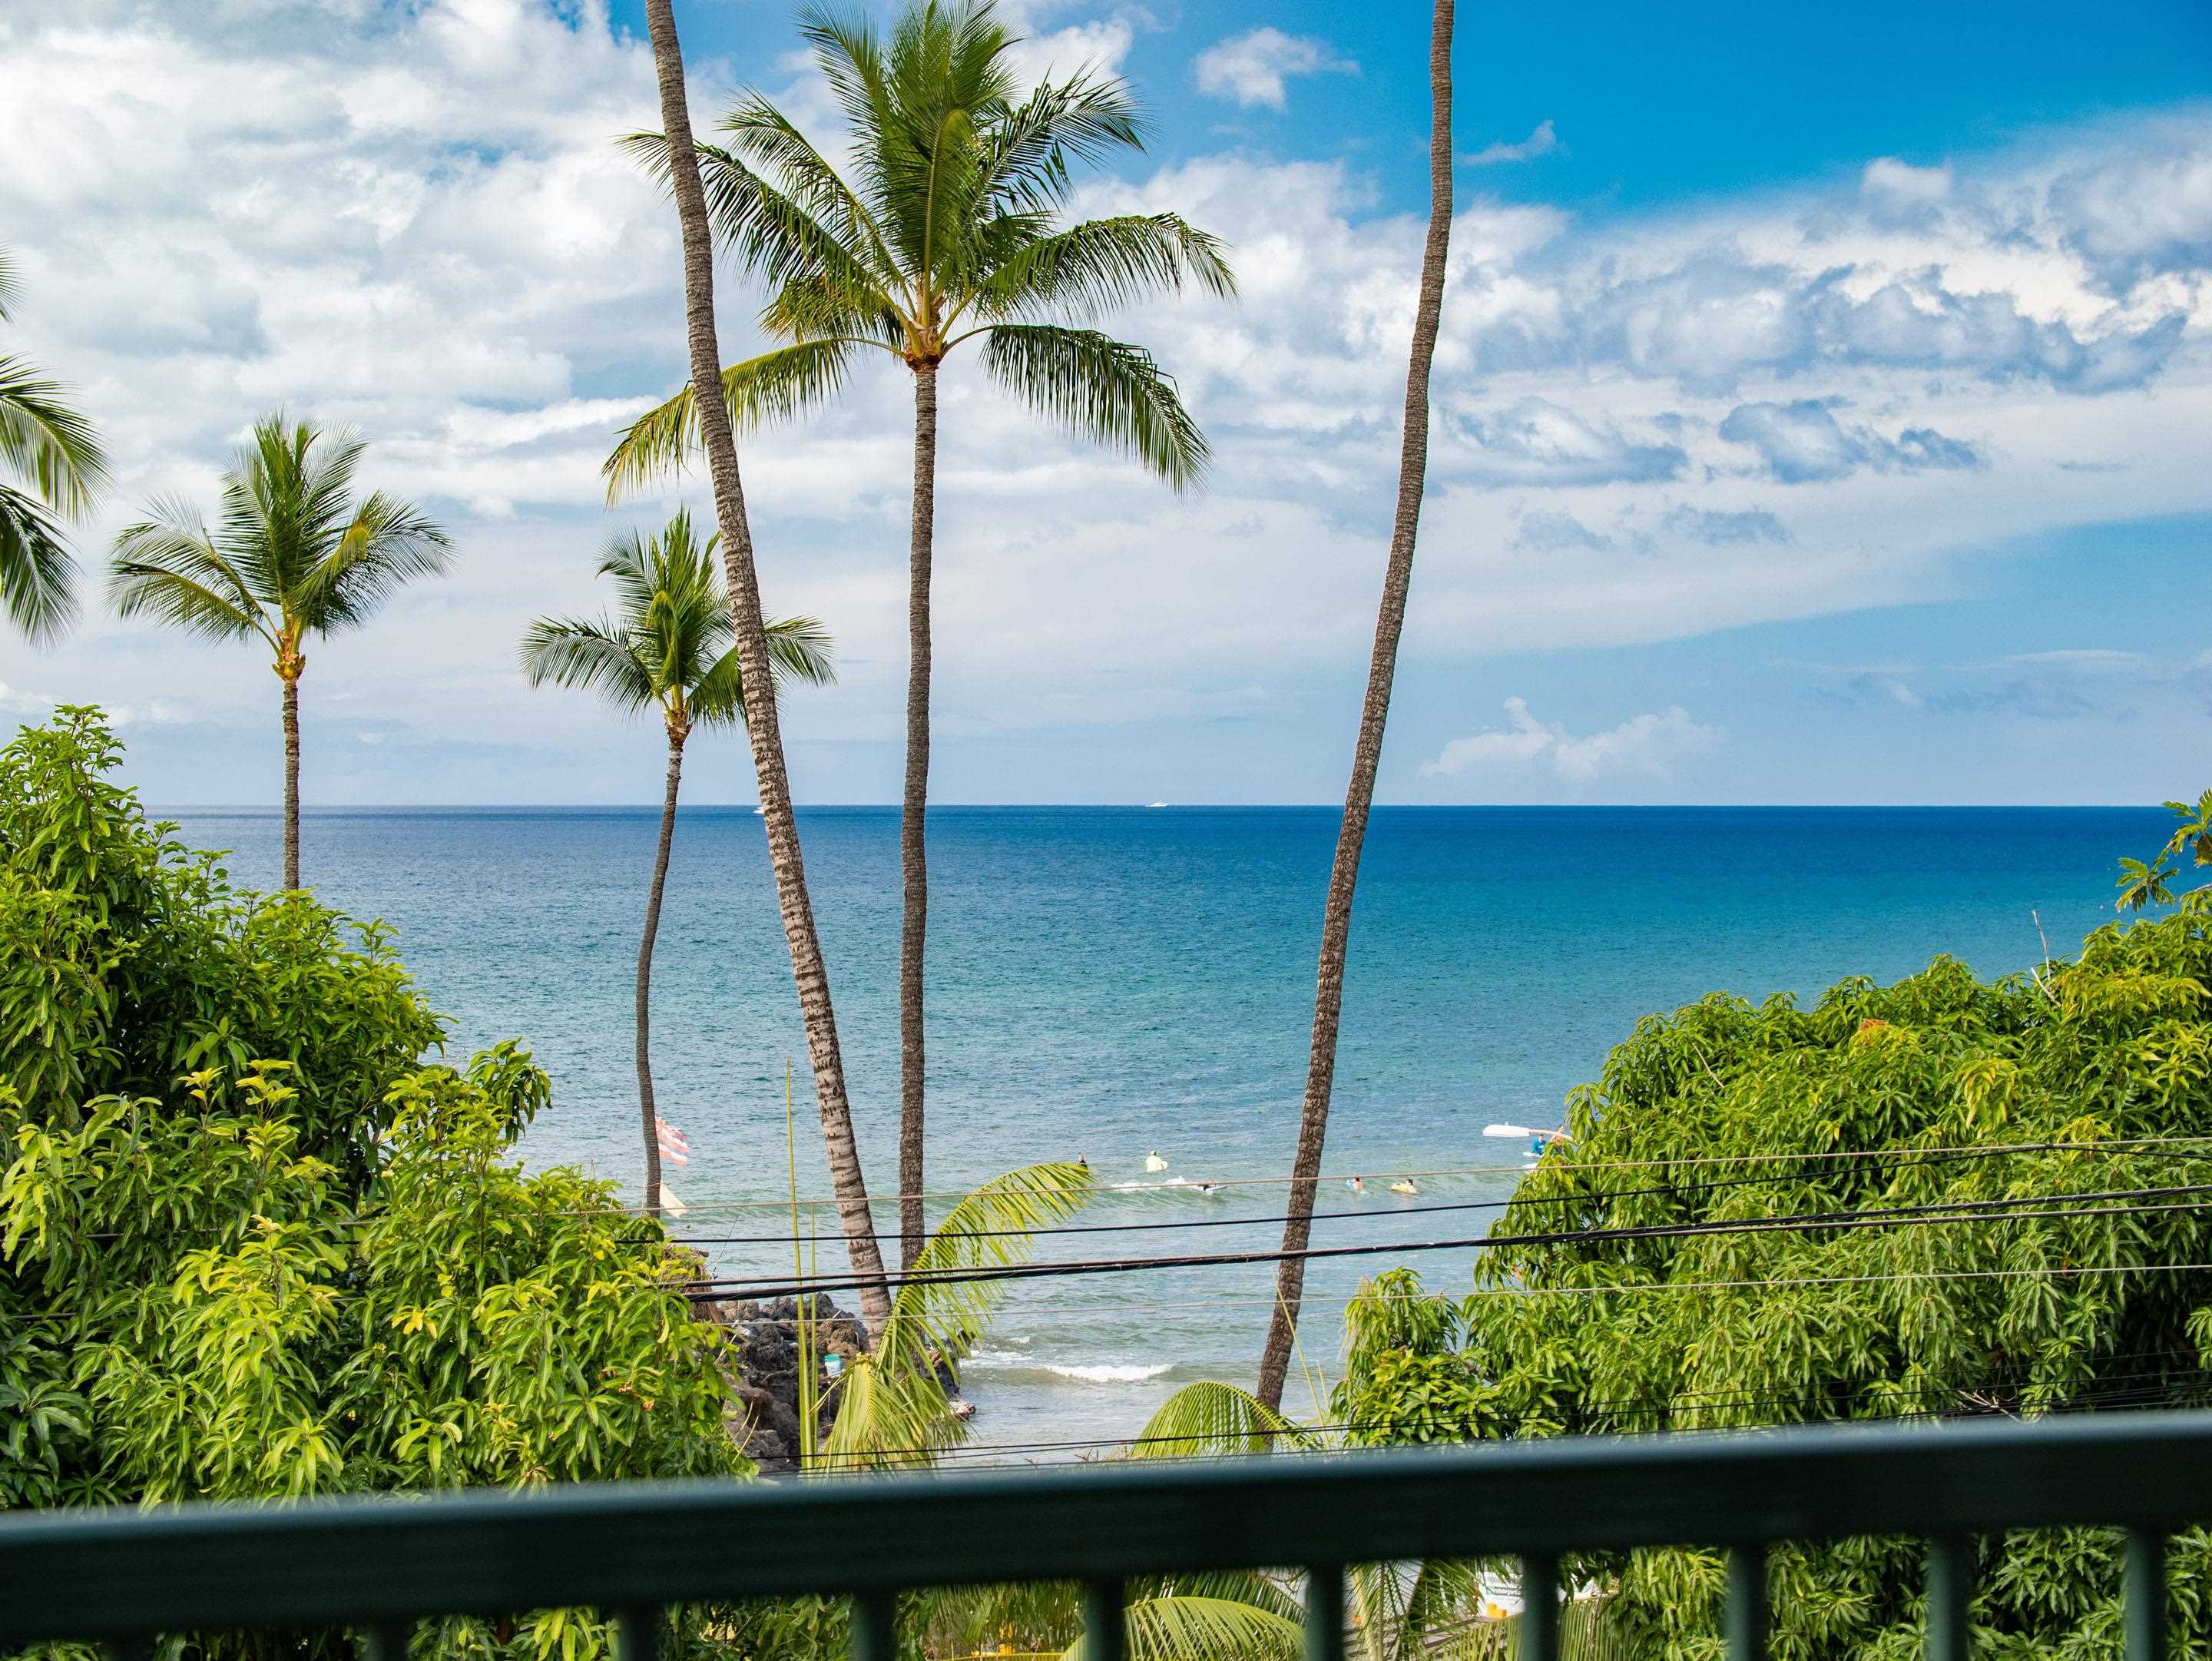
column 379, row 1564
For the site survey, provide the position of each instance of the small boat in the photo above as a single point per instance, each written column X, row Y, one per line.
column 1403, row 1186
column 1154, row 1162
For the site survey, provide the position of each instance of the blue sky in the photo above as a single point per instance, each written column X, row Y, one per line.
column 1821, row 414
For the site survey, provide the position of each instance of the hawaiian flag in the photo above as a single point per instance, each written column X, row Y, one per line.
column 673, row 1147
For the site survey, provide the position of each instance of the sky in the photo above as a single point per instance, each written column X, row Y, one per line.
column 1823, row 410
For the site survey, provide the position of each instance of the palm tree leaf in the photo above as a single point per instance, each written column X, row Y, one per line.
column 1087, row 118
column 386, row 544
column 775, row 384
column 38, row 573
column 799, row 648
column 1103, row 389
column 1105, row 264
column 1210, row 1418
column 1180, row 1627
column 591, row 654
column 895, row 1409
column 772, row 142
column 167, row 568
column 47, row 442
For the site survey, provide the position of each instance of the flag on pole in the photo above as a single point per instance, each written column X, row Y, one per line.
column 673, row 1147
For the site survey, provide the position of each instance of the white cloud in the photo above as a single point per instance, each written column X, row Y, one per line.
column 1653, row 744
column 1802, row 441
column 1541, row 140
column 1252, row 68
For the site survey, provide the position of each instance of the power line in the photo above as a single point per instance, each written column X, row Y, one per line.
column 1898, row 1216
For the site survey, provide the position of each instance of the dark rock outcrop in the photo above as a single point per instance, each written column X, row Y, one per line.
column 766, row 1336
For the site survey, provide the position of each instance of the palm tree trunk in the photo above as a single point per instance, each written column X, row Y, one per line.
column 291, row 779
column 808, row 970
column 1367, row 756
column 649, row 1114
column 914, row 864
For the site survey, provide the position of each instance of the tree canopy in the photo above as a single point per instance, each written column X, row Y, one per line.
column 1946, row 1196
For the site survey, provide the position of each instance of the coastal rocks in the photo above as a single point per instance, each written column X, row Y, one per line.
column 767, row 1336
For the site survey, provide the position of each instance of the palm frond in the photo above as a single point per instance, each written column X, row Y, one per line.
column 591, row 654
column 7, row 284
column 1105, row 263
column 167, row 568
column 775, row 384
column 1210, row 1418
column 772, row 141
column 386, row 544
column 38, row 573
column 1103, row 389
column 1087, row 118
column 1180, row 1629
column 799, row 648
column 47, row 442
column 895, row 1410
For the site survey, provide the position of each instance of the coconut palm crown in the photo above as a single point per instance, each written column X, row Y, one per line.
column 53, row 450
column 671, row 649
column 945, row 229
column 293, row 553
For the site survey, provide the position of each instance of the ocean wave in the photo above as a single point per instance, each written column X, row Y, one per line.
column 1007, row 1366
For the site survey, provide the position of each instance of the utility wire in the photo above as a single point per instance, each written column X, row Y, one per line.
column 1963, row 1211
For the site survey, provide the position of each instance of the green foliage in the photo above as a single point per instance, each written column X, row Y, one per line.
column 2036, row 1093
column 944, row 226
column 56, row 453
column 250, row 1245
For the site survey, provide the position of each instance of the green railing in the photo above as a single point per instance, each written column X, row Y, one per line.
column 379, row 1564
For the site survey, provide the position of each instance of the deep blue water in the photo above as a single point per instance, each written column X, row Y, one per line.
column 1106, row 982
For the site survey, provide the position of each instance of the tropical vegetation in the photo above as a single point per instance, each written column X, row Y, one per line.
column 667, row 649
column 945, row 228
column 295, row 553
column 51, row 468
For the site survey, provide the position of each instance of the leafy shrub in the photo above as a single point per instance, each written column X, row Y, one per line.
column 250, row 1244
column 2065, row 1093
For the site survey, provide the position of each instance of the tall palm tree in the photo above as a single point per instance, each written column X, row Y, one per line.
column 51, row 445
column 668, row 650
column 1367, row 754
column 948, row 232
column 295, row 553
column 808, row 970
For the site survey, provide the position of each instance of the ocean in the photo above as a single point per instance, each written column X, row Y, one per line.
column 1112, row 982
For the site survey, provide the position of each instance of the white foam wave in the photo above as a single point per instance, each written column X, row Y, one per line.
column 1094, row 1373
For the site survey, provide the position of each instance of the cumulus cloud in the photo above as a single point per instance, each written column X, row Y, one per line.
column 1719, row 528
column 1541, row 140
column 1253, row 67
column 1650, row 743
column 1537, row 442
column 1802, row 441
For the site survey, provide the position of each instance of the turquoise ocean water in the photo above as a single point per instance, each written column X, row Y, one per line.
column 1110, row 982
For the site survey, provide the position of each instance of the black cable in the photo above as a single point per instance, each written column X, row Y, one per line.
column 1964, row 1211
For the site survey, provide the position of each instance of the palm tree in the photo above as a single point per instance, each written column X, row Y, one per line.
column 294, row 554
column 669, row 651
column 808, row 970
column 948, row 233
column 45, row 442
column 1367, row 754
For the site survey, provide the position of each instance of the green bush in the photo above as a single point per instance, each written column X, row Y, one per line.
column 249, row 1242
column 1940, row 1090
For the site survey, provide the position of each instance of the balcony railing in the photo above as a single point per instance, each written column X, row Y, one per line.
column 378, row 1565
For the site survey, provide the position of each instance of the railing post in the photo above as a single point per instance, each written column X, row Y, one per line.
column 637, row 1634
column 387, row 1641
column 1950, row 1598
column 1104, row 1621
column 875, row 1627
column 1325, row 1612
column 2143, row 1576
column 128, row 1649
column 1747, row 1603
column 1540, row 1609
